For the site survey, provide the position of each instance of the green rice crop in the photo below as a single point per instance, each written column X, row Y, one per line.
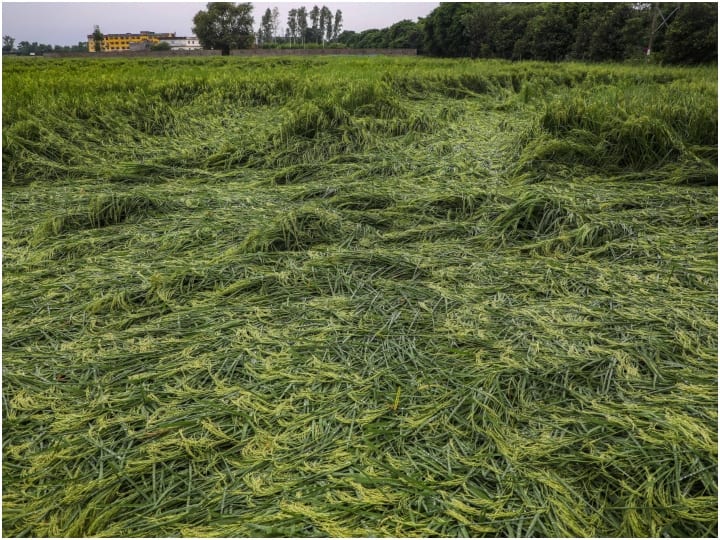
column 358, row 297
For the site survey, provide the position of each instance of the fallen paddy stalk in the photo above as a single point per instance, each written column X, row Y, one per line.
column 359, row 297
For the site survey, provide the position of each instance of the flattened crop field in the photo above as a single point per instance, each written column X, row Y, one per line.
column 358, row 297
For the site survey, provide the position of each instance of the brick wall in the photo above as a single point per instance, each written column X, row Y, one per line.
column 309, row 52
column 237, row 52
column 132, row 54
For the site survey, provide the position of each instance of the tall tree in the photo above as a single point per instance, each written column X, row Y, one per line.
column 302, row 23
column 275, row 21
column 315, row 20
column 635, row 30
column 8, row 43
column 266, row 27
column 327, row 18
column 225, row 26
column 292, row 24
column 98, row 39
column 479, row 23
column 321, row 25
column 337, row 26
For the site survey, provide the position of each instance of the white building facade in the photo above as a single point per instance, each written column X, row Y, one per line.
column 189, row 43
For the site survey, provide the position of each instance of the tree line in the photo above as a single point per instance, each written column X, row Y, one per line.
column 682, row 33
column 675, row 32
column 225, row 26
column 323, row 27
column 25, row 48
column 318, row 26
column 679, row 33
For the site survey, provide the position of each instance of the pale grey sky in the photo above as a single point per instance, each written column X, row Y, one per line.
column 66, row 23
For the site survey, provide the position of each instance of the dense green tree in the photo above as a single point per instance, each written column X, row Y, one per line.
column 600, row 33
column 480, row 26
column 510, row 29
column 548, row 36
column 8, row 43
column 691, row 37
column 635, row 31
column 348, row 38
column 98, row 38
column 405, row 35
column 162, row 46
column 371, row 39
column 69, row 48
column 225, row 26
column 444, row 30
column 584, row 31
column 26, row 48
column 607, row 39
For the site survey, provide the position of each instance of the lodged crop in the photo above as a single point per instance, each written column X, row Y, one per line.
column 358, row 297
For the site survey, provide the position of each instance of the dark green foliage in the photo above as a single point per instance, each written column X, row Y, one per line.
column 602, row 32
column 404, row 34
column 8, row 42
column 691, row 38
column 225, row 26
column 445, row 32
column 548, row 36
column 162, row 46
column 560, row 31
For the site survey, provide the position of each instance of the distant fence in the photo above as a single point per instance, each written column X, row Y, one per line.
column 307, row 52
column 132, row 54
column 237, row 52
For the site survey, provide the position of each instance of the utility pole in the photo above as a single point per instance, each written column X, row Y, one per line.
column 654, row 29
column 653, row 23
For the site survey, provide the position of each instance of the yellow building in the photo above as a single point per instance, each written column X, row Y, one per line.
column 123, row 42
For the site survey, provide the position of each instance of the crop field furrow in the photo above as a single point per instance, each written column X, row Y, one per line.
column 359, row 297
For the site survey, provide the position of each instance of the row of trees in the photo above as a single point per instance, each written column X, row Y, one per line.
column 676, row 32
column 25, row 48
column 404, row 34
column 269, row 26
column 324, row 26
column 683, row 33
column 225, row 26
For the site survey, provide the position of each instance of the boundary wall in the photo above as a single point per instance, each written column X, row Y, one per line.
column 238, row 52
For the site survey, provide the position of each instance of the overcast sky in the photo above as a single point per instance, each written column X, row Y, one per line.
column 66, row 23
